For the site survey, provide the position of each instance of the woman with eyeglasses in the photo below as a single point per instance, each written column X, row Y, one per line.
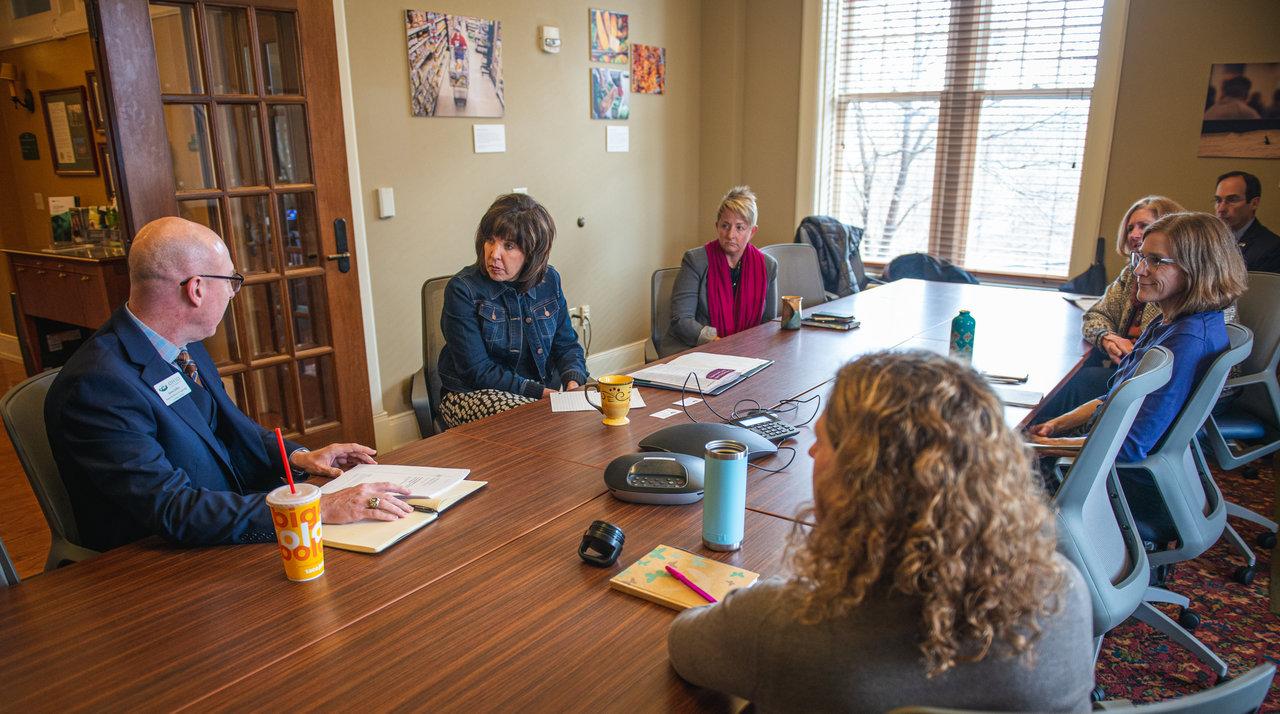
column 1190, row 269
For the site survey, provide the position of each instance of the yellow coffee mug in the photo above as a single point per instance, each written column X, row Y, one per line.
column 615, row 398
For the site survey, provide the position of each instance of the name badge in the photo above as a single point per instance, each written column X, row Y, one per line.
column 172, row 389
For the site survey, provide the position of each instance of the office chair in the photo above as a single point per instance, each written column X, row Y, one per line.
column 23, row 411
column 798, row 271
column 1095, row 528
column 425, row 392
column 1253, row 419
column 1195, row 504
column 8, row 573
column 1241, row 695
column 661, row 284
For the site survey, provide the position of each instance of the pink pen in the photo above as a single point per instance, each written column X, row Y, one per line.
column 684, row 579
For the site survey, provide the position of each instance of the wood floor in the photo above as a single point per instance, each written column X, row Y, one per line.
column 22, row 525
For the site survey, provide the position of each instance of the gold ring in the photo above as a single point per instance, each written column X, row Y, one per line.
column 373, row 503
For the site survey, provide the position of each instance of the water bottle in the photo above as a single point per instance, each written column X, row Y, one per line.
column 724, row 503
column 962, row 327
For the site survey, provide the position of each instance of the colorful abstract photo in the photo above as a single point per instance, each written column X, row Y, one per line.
column 608, row 36
column 648, row 69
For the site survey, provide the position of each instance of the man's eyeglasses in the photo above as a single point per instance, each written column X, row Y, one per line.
column 237, row 280
column 1229, row 200
column 1136, row 259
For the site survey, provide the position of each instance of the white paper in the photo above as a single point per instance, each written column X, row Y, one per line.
column 617, row 138
column 422, row 481
column 1082, row 302
column 676, row 373
column 489, row 138
column 61, row 204
column 61, row 130
column 666, row 413
column 687, row 402
column 1017, row 397
column 578, row 401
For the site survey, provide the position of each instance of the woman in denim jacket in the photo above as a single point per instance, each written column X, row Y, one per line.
column 508, row 340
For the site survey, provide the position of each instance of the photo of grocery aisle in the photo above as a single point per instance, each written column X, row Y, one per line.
column 455, row 65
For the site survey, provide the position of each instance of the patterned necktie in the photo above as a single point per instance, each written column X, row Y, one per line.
column 188, row 366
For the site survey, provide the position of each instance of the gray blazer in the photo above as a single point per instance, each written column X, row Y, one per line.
column 869, row 661
column 690, row 319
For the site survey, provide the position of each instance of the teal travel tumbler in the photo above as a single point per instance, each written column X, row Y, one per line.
column 724, row 504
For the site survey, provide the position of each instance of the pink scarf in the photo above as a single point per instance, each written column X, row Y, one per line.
column 727, row 315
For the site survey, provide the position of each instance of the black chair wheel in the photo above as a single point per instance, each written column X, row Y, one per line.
column 1098, row 694
column 1243, row 575
column 1267, row 539
column 1188, row 619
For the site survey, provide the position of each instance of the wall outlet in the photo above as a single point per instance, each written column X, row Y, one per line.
column 585, row 311
column 575, row 311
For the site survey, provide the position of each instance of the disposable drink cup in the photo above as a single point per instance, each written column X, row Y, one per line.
column 298, row 531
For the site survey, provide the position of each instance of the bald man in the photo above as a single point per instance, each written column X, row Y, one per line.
column 147, row 440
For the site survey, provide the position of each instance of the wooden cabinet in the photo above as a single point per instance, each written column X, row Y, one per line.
column 55, row 290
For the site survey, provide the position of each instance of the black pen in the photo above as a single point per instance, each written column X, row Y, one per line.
column 423, row 509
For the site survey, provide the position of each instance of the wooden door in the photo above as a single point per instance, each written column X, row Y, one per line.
column 228, row 113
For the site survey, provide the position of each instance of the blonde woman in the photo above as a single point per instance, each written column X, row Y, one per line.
column 929, row 577
column 725, row 286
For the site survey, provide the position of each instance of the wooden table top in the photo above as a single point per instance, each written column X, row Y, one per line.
column 489, row 605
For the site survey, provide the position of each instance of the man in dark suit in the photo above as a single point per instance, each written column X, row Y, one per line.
column 1236, row 200
column 147, row 440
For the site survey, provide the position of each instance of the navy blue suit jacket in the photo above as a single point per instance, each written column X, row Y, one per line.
column 135, row 467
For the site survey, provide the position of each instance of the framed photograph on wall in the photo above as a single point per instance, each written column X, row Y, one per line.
column 96, row 110
column 71, row 144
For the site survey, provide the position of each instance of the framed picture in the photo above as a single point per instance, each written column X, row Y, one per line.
column 71, row 144
column 96, row 110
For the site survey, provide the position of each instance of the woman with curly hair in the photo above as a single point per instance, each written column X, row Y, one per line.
column 929, row 576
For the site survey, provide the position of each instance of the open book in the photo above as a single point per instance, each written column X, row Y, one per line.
column 376, row 536
column 712, row 373
column 648, row 578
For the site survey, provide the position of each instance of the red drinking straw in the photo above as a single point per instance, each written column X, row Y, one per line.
column 284, row 459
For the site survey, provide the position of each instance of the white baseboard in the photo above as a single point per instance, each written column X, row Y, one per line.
column 391, row 431
column 9, row 347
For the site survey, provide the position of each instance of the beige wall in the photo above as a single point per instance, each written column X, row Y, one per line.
column 750, row 124
column 640, row 207
column 47, row 65
column 1169, row 46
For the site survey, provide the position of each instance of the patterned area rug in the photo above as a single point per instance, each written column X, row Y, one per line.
column 1139, row 664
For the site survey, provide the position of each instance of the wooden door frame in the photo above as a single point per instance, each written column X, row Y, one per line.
column 122, row 29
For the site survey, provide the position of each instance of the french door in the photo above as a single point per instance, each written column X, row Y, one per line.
column 228, row 114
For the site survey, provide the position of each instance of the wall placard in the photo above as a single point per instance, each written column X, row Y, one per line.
column 71, row 144
column 30, row 147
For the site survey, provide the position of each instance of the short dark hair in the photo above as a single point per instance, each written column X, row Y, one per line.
column 1252, row 186
column 1237, row 87
column 519, row 218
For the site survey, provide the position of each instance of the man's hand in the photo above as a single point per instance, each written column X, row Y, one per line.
column 353, row 504
column 1116, row 347
column 332, row 459
column 1042, row 430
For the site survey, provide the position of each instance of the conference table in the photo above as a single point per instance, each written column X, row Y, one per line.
column 489, row 606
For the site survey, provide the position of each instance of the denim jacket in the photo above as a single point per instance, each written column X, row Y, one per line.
column 487, row 326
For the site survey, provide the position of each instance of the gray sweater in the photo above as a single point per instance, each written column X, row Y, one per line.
column 690, row 319
column 870, row 661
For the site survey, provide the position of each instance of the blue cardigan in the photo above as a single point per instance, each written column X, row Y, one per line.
column 1195, row 340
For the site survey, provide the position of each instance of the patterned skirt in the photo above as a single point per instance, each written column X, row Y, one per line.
column 458, row 408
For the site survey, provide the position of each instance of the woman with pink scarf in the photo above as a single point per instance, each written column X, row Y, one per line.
column 725, row 286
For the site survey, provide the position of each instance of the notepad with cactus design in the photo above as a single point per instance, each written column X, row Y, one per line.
column 648, row 578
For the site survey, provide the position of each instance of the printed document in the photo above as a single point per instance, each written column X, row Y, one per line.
column 422, row 481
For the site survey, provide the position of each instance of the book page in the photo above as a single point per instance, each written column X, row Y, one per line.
column 579, row 401
column 422, row 481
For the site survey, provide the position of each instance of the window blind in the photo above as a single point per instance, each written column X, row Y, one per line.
column 958, row 127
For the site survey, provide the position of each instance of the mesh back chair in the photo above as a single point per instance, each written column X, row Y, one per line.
column 1094, row 524
column 1253, row 419
column 1192, row 498
column 798, row 271
column 8, row 573
column 1241, row 695
column 660, row 286
column 23, row 412
column 425, row 393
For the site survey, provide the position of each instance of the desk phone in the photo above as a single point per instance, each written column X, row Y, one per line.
column 768, row 426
